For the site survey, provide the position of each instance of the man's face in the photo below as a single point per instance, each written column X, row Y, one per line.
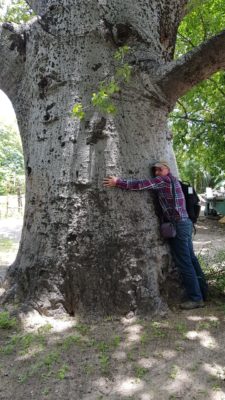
column 161, row 171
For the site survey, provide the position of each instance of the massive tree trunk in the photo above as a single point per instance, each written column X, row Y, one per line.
column 85, row 248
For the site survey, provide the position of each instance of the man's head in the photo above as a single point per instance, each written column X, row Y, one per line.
column 160, row 168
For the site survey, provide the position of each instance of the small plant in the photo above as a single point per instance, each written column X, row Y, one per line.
column 144, row 338
column 203, row 325
column 61, row 374
column 46, row 392
column 78, row 111
column 51, row 359
column 104, row 363
column 181, row 327
column 22, row 378
column 45, row 329
column 116, row 341
column 157, row 330
column 131, row 356
column 214, row 324
column 216, row 387
column 7, row 322
column 140, row 372
column 71, row 340
column 82, row 328
column 174, row 372
column 103, row 347
column 108, row 318
column 7, row 349
column 23, row 342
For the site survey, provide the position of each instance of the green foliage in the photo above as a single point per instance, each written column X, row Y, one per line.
column 214, row 269
column 103, row 98
column 23, row 343
column 124, row 72
column 121, row 52
column 61, row 374
column 104, row 363
column 6, row 322
column 82, row 329
column 11, row 161
column 18, row 12
column 71, row 340
column 198, row 118
column 140, row 372
column 78, row 111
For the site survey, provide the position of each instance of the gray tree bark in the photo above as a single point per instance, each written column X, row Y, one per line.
column 85, row 248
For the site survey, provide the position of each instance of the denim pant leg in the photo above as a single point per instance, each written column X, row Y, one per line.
column 181, row 247
column 200, row 274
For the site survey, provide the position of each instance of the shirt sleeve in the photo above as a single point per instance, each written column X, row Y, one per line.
column 140, row 184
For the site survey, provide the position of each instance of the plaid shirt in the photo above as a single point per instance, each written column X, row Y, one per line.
column 164, row 190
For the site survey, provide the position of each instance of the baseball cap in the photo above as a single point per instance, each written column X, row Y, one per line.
column 161, row 164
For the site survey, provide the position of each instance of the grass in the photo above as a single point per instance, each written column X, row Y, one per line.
column 140, row 372
column 7, row 244
column 7, row 322
column 181, row 327
column 214, row 269
column 174, row 371
column 158, row 331
column 104, row 361
column 82, row 329
column 43, row 367
column 61, row 374
column 23, row 343
column 69, row 341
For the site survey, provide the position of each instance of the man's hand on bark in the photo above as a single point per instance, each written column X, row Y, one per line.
column 110, row 181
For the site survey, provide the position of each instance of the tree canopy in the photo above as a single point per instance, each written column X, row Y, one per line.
column 17, row 11
column 198, row 118
column 11, row 160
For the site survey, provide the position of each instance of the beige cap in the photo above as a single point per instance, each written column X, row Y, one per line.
column 161, row 164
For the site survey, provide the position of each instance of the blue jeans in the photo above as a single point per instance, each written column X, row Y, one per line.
column 185, row 259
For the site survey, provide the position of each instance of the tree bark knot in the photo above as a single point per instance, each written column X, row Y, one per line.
column 96, row 130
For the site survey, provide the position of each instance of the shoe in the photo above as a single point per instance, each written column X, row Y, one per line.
column 190, row 305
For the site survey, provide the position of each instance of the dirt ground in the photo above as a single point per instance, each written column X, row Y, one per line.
column 180, row 355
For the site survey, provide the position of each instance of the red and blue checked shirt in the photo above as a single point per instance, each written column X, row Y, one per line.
column 163, row 186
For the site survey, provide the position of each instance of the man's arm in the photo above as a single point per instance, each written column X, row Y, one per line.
column 134, row 184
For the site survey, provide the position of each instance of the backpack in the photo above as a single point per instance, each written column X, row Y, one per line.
column 192, row 201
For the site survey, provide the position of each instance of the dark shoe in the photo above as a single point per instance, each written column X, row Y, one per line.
column 190, row 305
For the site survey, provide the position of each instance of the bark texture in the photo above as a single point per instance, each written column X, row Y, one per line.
column 85, row 248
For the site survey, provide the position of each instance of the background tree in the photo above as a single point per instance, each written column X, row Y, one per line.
column 198, row 117
column 16, row 11
column 11, row 161
column 85, row 248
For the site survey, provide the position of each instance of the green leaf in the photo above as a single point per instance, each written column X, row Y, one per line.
column 78, row 111
column 121, row 52
column 124, row 72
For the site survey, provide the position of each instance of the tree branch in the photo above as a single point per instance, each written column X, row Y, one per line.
column 12, row 55
column 178, row 77
column 197, row 120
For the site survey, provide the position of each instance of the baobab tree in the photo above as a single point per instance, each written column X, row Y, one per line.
column 85, row 248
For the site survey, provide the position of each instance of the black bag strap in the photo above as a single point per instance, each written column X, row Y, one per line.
column 174, row 202
column 173, row 205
